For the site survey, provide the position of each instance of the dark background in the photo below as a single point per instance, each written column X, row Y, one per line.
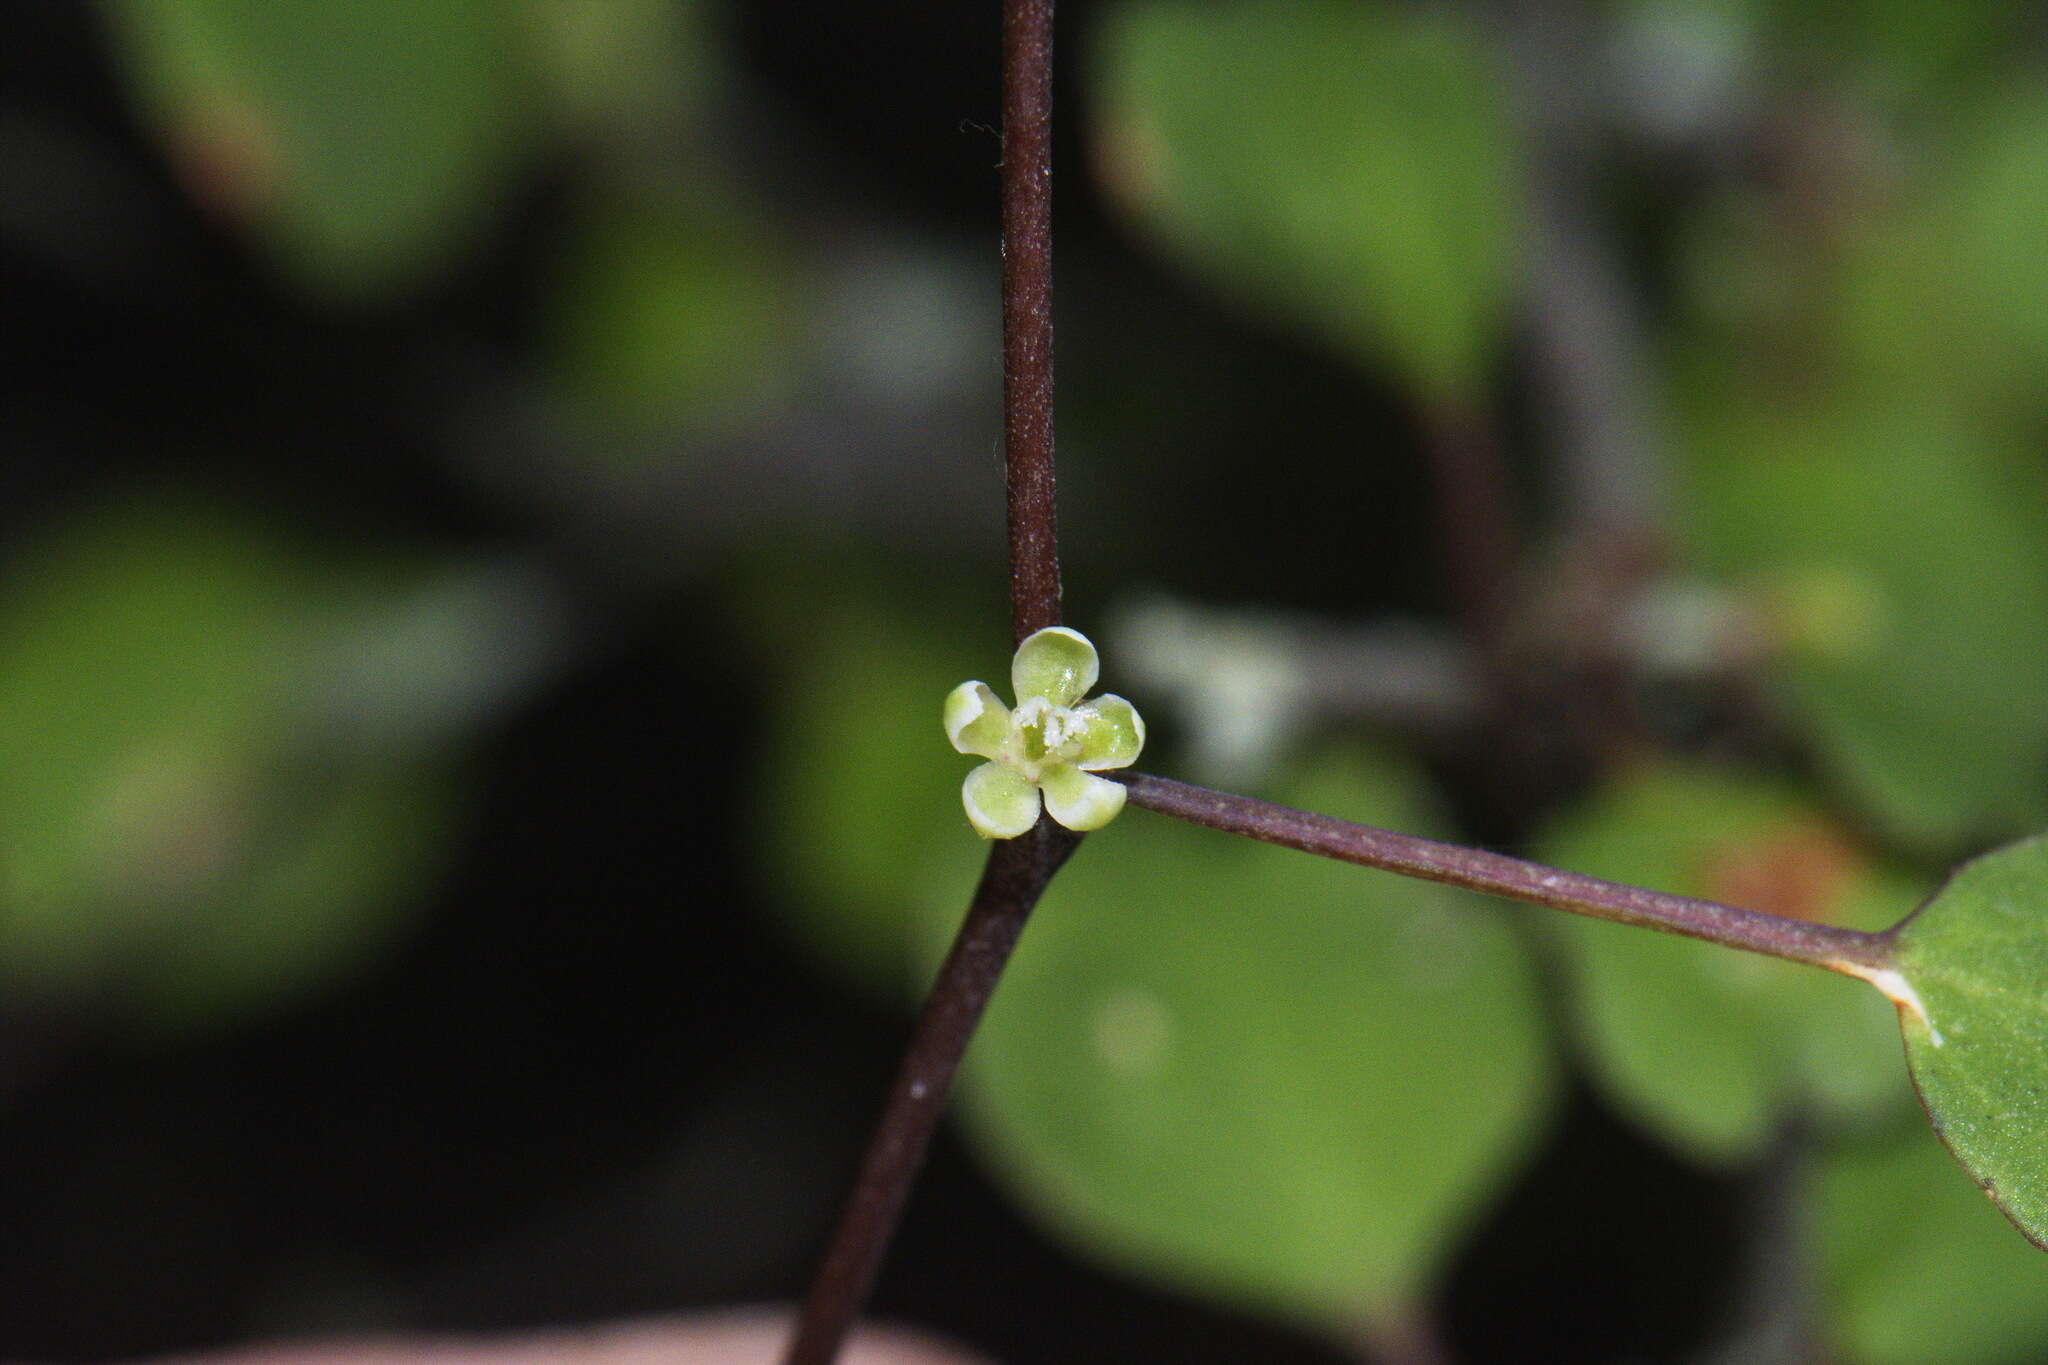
column 592, row 1080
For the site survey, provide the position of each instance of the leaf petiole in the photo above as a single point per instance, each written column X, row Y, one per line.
column 1853, row 952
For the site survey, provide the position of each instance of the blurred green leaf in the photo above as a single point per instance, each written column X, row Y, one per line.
column 1937, row 285
column 1915, row 1268
column 859, row 813
column 1262, row 1075
column 1710, row 1049
column 366, row 139
column 674, row 315
column 341, row 877
column 623, row 67
column 1903, row 573
column 1903, row 47
column 1977, row 956
column 1987, row 229
column 176, row 841
column 1344, row 165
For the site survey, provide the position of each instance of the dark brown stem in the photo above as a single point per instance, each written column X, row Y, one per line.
column 1017, row 873
column 1027, row 315
column 1850, row 951
column 1018, row 869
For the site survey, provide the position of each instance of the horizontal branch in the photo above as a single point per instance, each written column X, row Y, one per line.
column 1850, row 951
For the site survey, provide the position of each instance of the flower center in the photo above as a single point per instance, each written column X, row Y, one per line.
column 1043, row 735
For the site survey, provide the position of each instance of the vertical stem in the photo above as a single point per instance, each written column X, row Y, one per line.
column 1018, row 869
column 1017, row 873
column 1027, row 315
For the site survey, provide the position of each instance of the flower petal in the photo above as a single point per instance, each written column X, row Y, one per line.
column 1081, row 801
column 1114, row 735
column 1000, row 804
column 977, row 722
column 1055, row 663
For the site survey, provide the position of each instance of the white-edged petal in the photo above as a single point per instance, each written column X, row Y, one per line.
column 977, row 722
column 1081, row 801
column 1114, row 736
column 1000, row 804
column 1055, row 663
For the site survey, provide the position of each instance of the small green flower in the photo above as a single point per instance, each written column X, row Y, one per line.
column 1053, row 742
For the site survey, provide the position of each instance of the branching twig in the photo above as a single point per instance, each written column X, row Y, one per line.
column 1849, row 951
column 1018, row 869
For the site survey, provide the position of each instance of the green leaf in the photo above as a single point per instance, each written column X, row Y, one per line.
column 1939, row 289
column 1988, row 219
column 686, row 313
column 1343, row 165
column 859, row 808
column 364, row 139
column 1902, row 48
column 180, row 839
column 1903, row 572
column 1977, row 956
column 1914, row 1268
column 623, row 67
column 1706, row 1048
column 1261, row 1075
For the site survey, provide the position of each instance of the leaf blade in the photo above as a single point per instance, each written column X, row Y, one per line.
column 1269, row 1078
column 1976, row 956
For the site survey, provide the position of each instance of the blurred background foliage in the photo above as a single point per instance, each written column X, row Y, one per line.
column 498, row 488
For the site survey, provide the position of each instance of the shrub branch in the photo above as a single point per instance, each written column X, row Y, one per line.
column 1018, row 869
